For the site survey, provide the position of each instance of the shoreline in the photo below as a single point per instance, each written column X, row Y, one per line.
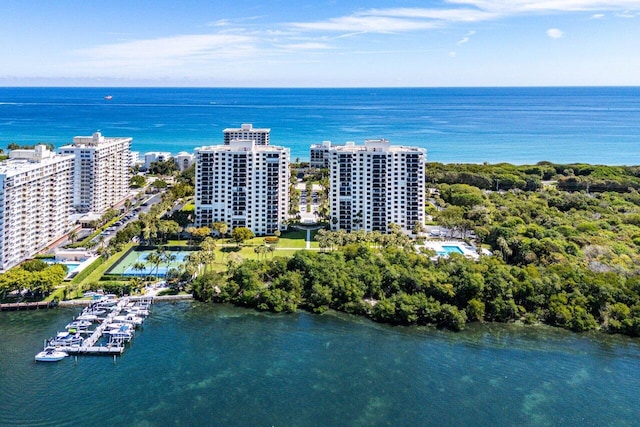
column 86, row 302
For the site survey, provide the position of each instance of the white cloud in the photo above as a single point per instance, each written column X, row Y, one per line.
column 365, row 24
column 520, row 6
column 555, row 33
column 597, row 16
column 305, row 46
column 466, row 38
column 452, row 54
column 178, row 47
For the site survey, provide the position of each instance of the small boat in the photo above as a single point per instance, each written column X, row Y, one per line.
column 108, row 97
column 79, row 325
column 98, row 311
column 137, row 311
column 88, row 317
column 124, row 332
column 64, row 339
column 50, row 354
column 129, row 319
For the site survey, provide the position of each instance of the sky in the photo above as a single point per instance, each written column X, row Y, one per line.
column 301, row 43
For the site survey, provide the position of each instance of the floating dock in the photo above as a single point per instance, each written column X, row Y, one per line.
column 115, row 346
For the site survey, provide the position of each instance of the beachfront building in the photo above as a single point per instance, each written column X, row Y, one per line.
column 155, row 156
column 247, row 132
column 243, row 185
column 376, row 184
column 184, row 160
column 102, row 171
column 319, row 155
column 36, row 189
column 135, row 159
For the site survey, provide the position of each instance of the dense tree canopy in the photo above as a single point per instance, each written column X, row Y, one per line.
column 564, row 258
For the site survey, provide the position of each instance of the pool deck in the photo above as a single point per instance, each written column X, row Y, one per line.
column 469, row 251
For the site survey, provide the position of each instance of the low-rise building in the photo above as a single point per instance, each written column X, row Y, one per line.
column 155, row 156
column 184, row 160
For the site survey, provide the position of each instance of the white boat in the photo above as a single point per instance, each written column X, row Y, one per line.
column 118, row 325
column 124, row 332
column 137, row 311
column 89, row 317
column 78, row 325
column 94, row 311
column 108, row 97
column 50, row 354
column 129, row 318
column 65, row 339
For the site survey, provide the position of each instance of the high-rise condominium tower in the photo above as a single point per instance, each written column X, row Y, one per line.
column 36, row 188
column 243, row 185
column 375, row 185
column 102, row 171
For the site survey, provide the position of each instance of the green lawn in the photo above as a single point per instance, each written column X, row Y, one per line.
column 98, row 272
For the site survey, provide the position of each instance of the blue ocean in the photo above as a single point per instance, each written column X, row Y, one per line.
column 599, row 125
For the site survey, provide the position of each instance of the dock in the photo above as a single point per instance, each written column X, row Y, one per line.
column 115, row 346
column 26, row 305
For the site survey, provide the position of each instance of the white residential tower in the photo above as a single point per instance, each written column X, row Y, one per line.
column 376, row 184
column 244, row 185
column 36, row 188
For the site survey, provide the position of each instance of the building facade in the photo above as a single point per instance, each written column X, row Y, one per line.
column 155, row 156
column 374, row 185
column 184, row 160
column 101, row 171
column 243, row 185
column 246, row 132
column 36, row 191
column 319, row 155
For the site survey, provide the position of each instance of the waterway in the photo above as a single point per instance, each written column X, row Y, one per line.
column 197, row 364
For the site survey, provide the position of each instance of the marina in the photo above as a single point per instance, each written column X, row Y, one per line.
column 112, row 332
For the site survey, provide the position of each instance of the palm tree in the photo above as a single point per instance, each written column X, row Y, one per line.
column 73, row 236
column 139, row 266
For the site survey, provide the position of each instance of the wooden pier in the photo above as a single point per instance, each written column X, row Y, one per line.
column 26, row 306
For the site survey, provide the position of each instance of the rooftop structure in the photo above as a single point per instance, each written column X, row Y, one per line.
column 243, row 185
column 376, row 184
column 247, row 132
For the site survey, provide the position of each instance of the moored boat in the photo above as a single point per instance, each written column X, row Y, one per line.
column 129, row 319
column 66, row 339
column 50, row 354
column 78, row 325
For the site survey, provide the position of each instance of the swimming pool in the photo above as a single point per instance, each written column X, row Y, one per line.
column 450, row 249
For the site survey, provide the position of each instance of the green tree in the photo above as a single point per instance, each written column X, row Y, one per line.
column 241, row 234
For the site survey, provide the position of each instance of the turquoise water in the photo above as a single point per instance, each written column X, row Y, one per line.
column 518, row 125
column 452, row 249
column 196, row 364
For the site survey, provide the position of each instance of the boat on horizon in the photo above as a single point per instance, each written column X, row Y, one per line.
column 108, row 97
